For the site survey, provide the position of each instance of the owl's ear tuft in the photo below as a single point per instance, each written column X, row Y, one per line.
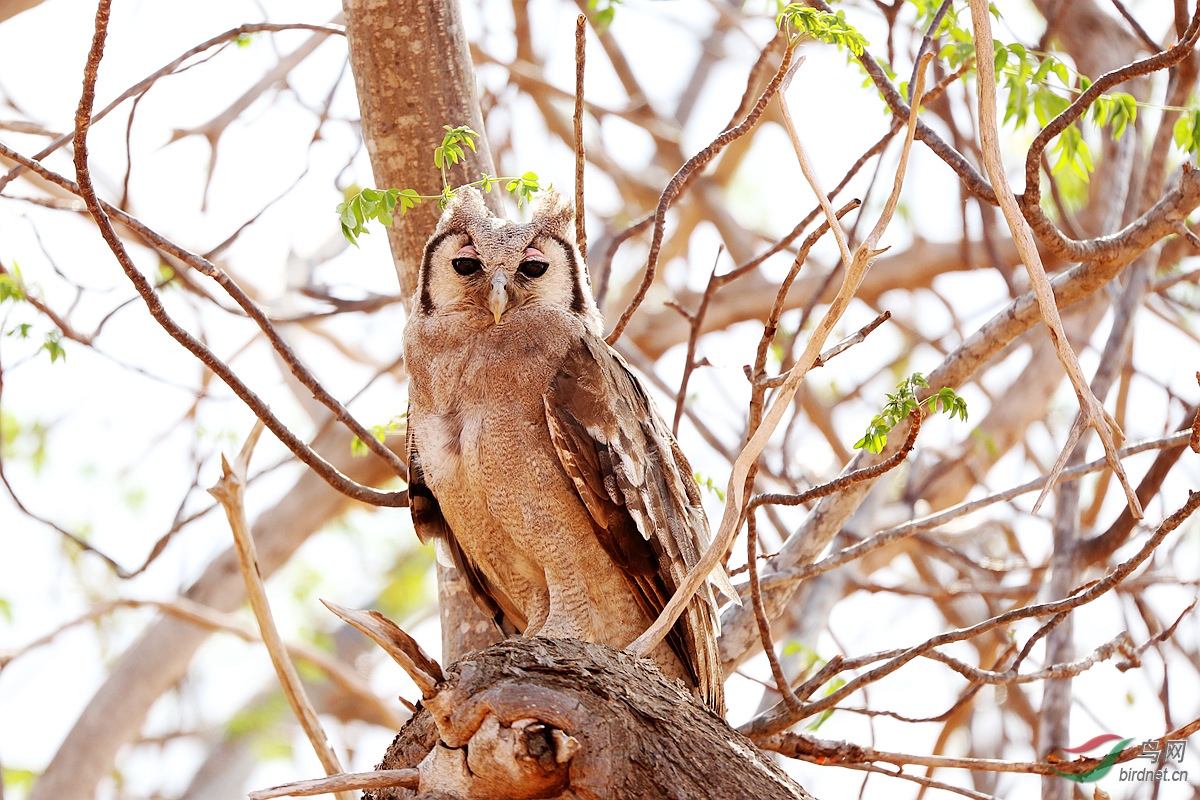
column 553, row 213
column 465, row 206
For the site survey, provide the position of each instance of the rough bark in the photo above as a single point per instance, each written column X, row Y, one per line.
column 517, row 707
column 413, row 72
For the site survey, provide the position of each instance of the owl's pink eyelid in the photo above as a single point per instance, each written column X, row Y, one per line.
column 467, row 250
column 533, row 252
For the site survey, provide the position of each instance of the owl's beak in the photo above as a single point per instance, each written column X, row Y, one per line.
column 498, row 299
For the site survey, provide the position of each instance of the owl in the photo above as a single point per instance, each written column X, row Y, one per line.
column 536, row 458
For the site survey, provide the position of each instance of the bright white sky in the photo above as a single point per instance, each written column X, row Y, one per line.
column 117, row 462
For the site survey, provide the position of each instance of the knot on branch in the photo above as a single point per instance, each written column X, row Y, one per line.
column 543, row 718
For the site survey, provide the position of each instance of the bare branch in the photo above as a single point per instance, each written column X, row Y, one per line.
column 230, row 492
column 343, row 783
column 1091, row 412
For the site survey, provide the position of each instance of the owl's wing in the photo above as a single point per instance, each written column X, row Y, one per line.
column 431, row 526
column 641, row 494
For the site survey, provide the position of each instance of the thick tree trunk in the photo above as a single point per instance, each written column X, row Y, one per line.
column 560, row 718
column 412, row 68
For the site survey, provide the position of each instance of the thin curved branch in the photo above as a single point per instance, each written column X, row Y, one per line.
column 1102, row 247
column 1092, row 413
column 87, row 192
column 148, row 81
column 685, row 175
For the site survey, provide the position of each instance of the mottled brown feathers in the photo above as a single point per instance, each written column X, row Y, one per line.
column 536, row 455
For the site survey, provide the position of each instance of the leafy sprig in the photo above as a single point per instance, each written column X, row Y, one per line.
column 13, row 289
column 11, row 286
column 706, row 482
column 825, row 26
column 903, row 403
column 605, row 11
column 396, row 424
column 368, row 205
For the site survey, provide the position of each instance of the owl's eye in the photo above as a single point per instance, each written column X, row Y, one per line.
column 533, row 269
column 467, row 266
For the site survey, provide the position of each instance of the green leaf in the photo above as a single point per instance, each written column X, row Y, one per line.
column 53, row 345
column 603, row 19
column 20, row 781
column 831, row 687
column 1186, row 131
column 1060, row 69
column 706, row 482
column 10, row 287
column 408, row 198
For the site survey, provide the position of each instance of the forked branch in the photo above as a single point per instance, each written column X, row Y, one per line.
column 1091, row 412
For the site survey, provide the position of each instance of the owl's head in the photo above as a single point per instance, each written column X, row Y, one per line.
column 491, row 268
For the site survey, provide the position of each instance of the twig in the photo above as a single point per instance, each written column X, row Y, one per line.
column 1121, row 643
column 920, row 780
column 843, row 482
column 1194, row 440
column 1137, row 28
column 203, row 616
column 760, row 616
column 149, row 80
column 684, row 176
column 857, row 337
column 403, row 649
column 775, row 719
column 927, row 40
column 230, row 493
column 1091, row 412
column 695, row 321
column 343, row 783
column 907, row 529
column 856, row 269
column 580, row 55
column 120, row 571
column 635, row 227
column 810, row 748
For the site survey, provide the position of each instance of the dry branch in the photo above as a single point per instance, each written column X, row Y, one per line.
column 230, row 492
column 1091, row 411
